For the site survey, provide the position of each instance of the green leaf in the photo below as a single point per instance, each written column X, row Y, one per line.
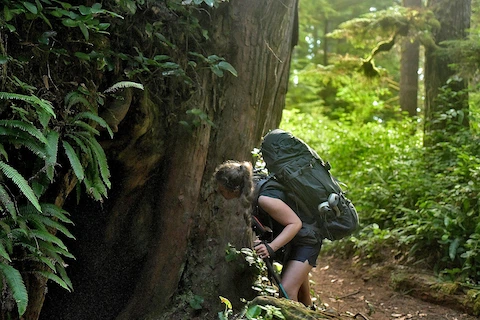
column 24, row 126
column 82, row 55
column 74, row 160
column 21, row 183
column 57, row 212
column 4, row 253
column 253, row 312
column 228, row 67
column 97, row 119
column 51, row 152
column 40, row 104
column 31, row 7
column 70, row 23
column 452, row 250
column 55, row 278
column 7, row 14
column 15, row 283
column 48, row 237
column 84, row 29
column 7, row 202
column 63, row 274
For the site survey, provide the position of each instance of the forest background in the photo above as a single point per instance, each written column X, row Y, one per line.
column 408, row 154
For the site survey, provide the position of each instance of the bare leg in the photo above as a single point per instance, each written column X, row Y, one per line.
column 293, row 278
column 304, row 293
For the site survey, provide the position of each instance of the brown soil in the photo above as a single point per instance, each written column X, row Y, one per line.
column 352, row 290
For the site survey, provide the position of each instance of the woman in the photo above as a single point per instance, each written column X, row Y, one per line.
column 235, row 180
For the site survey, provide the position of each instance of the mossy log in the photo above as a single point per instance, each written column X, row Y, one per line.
column 426, row 287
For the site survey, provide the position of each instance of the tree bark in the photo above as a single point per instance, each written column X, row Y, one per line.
column 409, row 69
column 161, row 236
column 454, row 17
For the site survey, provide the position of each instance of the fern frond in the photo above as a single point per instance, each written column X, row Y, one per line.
column 48, row 237
column 24, row 126
column 101, row 159
column 92, row 190
column 44, row 105
column 97, row 119
column 54, row 211
column 7, row 202
column 47, row 222
column 54, row 251
column 124, row 84
column 21, row 183
column 47, row 261
column 20, row 138
column 3, row 152
column 63, row 274
column 83, row 147
column 86, row 127
column 3, row 252
column 51, row 153
column 74, row 160
column 55, row 278
column 74, row 98
column 17, row 286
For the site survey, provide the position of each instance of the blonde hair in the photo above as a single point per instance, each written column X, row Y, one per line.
column 236, row 176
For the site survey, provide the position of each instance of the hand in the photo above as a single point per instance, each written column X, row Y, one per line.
column 261, row 248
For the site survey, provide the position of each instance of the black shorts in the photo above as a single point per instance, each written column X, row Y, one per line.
column 304, row 253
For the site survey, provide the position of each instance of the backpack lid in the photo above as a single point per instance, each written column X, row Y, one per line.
column 280, row 146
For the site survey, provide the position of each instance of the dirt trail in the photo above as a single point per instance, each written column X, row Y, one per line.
column 351, row 290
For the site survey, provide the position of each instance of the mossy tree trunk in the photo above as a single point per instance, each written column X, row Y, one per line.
column 160, row 238
column 454, row 17
column 409, row 64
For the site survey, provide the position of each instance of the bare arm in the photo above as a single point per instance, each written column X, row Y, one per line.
column 284, row 215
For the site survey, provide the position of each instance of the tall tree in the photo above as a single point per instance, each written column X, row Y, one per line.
column 163, row 231
column 409, row 63
column 454, row 18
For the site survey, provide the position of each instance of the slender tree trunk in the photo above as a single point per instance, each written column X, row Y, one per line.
column 454, row 17
column 409, row 69
column 160, row 239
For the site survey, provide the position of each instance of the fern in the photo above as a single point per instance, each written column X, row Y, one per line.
column 122, row 85
column 38, row 103
column 87, row 127
column 100, row 157
column 21, row 183
column 56, row 212
column 51, row 153
column 3, row 152
column 15, row 283
column 97, row 119
column 48, row 237
column 24, row 126
column 43, row 222
column 56, row 279
column 83, row 147
column 7, row 203
column 74, row 98
column 74, row 160
column 3, row 252
column 54, row 251
column 20, row 138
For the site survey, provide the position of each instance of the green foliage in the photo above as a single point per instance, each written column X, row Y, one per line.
column 262, row 284
column 415, row 202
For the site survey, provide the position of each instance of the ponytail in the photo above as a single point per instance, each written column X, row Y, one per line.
column 236, row 176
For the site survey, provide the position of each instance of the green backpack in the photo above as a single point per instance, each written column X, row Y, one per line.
column 307, row 179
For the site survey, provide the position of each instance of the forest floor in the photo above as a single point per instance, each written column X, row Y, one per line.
column 350, row 290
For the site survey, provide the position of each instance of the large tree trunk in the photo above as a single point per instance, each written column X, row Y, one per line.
column 409, row 69
column 454, row 17
column 163, row 231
